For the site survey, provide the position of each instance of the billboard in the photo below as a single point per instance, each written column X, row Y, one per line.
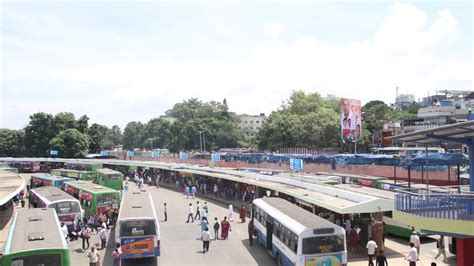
column 351, row 121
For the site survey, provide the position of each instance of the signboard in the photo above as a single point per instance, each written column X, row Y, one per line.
column 351, row 120
column 104, row 153
column 53, row 152
column 331, row 260
column 130, row 153
column 296, row 164
column 216, row 157
column 137, row 247
column 155, row 154
column 183, row 155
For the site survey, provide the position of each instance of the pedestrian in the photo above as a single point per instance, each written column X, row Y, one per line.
column 190, row 213
column 65, row 231
column 205, row 237
column 412, row 255
column 188, row 191
column 103, row 237
column 415, row 239
column 193, row 191
column 216, row 228
column 243, row 213
column 353, row 239
column 125, row 186
column 177, row 185
column 198, row 210
column 371, row 246
column 348, row 225
column 251, row 229
column 205, row 207
column 441, row 248
column 204, row 225
column 203, row 214
column 85, row 235
column 216, row 190
column 381, row 259
column 230, row 212
column 117, row 255
column 166, row 213
column 94, row 257
column 225, row 228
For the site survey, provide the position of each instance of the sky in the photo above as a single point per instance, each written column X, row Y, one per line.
column 122, row 61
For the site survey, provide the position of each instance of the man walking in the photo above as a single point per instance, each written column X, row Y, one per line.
column 371, row 246
column 412, row 255
column 103, row 237
column 193, row 191
column 198, row 210
column 190, row 213
column 166, row 213
column 441, row 248
column 415, row 239
column 216, row 228
column 205, row 237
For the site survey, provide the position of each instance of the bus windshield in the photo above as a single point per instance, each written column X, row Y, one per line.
column 66, row 207
column 137, row 228
column 323, row 244
column 40, row 259
column 106, row 199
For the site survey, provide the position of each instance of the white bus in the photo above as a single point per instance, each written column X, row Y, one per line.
column 67, row 207
column 137, row 230
column 295, row 236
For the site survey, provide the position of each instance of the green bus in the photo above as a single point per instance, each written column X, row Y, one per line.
column 76, row 174
column 35, row 238
column 8, row 169
column 83, row 165
column 94, row 198
column 109, row 178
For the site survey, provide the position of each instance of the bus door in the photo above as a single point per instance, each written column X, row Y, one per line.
column 269, row 234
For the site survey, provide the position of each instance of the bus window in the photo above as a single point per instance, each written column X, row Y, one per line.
column 66, row 207
column 106, row 199
column 41, row 259
column 323, row 244
column 137, row 228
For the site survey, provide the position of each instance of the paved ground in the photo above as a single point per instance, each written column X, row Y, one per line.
column 181, row 246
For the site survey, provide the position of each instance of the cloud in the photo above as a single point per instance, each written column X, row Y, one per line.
column 114, row 78
column 272, row 30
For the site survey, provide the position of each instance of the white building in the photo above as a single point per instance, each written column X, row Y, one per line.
column 250, row 124
column 404, row 100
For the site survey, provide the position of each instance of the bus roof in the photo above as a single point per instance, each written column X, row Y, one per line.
column 73, row 171
column 32, row 230
column 53, row 194
column 380, row 193
column 137, row 205
column 296, row 213
column 52, row 177
column 83, row 163
column 91, row 187
column 107, row 171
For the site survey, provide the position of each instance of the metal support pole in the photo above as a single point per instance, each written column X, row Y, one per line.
column 471, row 166
column 458, row 172
column 204, row 140
column 395, row 174
column 449, row 175
column 409, row 176
column 426, row 163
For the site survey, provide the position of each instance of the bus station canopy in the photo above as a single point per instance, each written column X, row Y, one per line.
column 10, row 185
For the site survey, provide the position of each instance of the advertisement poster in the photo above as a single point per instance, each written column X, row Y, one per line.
column 351, row 120
column 138, row 247
column 324, row 261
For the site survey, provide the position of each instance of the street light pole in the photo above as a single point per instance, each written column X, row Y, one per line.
column 204, row 140
column 200, row 140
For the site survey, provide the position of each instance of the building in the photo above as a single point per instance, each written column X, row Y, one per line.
column 404, row 100
column 250, row 124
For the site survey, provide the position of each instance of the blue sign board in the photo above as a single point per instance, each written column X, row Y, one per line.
column 155, row 154
column 104, row 153
column 53, row 152
column 296, row 164
column 183, row 155
column 216, row 157
column 130, row 153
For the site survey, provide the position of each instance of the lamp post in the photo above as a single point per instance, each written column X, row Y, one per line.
column 151, row 143
column 200, row 140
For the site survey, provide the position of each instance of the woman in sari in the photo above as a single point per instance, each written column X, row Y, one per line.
column 225, row 228
column 242, row 214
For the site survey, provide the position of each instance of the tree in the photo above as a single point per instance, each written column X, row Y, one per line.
column 83, row 123
column 157, row 133
column 12, row 143
column 38, row 133
column 70, row 143
column 98, row 138
column 115, row 135
column 133, row 135
column 304, row 120
column 63, row 121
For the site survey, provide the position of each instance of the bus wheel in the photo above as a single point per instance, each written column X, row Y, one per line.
column 278, row 259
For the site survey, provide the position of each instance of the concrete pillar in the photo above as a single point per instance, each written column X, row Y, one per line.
column 471, row 166
column 464, row 248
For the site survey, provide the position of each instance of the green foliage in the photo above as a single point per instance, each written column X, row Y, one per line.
column 115, row 135
column 157, row 133
column 12, row 142
column 98, row 138
column 38, row 133
column 83, row 123
column 70, row 143
column 133, row 135
column 305, row 120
